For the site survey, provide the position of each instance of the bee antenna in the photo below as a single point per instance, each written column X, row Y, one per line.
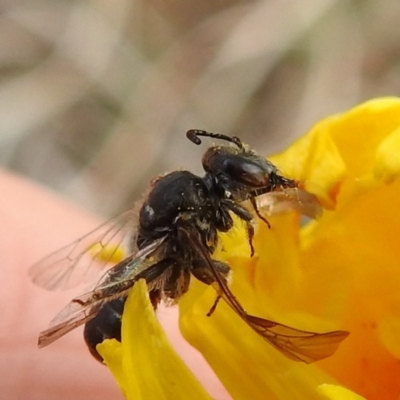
column 193, row 136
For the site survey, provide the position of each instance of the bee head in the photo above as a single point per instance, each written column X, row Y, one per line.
column 237, row 170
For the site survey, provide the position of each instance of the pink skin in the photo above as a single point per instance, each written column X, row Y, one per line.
column 33, row 223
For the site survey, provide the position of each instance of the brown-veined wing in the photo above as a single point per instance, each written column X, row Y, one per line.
column 295, row 344
column 114, row 283
column 82, row 260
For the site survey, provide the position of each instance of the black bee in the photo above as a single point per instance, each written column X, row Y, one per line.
column 174, row 239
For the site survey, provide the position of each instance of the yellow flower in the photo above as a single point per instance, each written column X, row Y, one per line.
column 339, row 272
column 144, row 364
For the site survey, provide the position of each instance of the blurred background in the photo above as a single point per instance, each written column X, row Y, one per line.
column 96, row 95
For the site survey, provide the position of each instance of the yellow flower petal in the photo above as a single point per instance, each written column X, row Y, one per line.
column 248, row 367
column 333, row 392
column 389, row 334
column 358, row 132
column 387, row 160
column 315, row 161
column 107, row 254
column 229, row 345
column 346, row 146
column 111, row 351
column 144, row 363
column 356, row 249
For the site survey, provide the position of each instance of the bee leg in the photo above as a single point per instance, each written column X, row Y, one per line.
column 156, row 276
column 177, row 283
column 247, row 217
column 155, row 296
column 214, row 306
column 250, row 236
column 254, row 204
column 203, row 274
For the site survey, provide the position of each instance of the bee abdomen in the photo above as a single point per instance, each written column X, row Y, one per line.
column 106, row 325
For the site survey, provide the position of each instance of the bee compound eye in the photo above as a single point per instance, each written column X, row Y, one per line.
column 246, row 172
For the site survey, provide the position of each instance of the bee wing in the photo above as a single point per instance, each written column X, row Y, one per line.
column 295, row 344
column 76, row 313
column 82, row 260
column 289, row 199
column 114, row 284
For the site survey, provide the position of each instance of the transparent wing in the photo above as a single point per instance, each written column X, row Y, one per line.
column 70, row 317
column 82, row 260
column 114, row 284
column 296, row 344
column 289, row 199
